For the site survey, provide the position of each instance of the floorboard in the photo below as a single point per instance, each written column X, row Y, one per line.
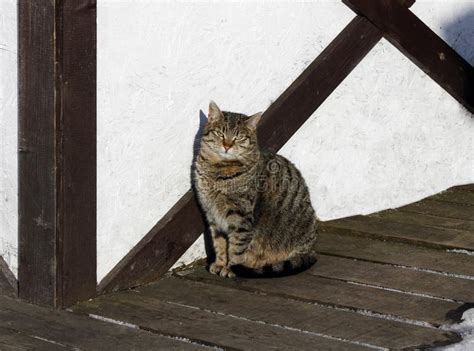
column 61, row 328
column 456, row 196
column 340, row 294
column 425, row 219
column 382, row 251
column 404, row 232
column 13, row 340
column 397, row 279
column 441, row 209
column 205, row 325
column 306, row 317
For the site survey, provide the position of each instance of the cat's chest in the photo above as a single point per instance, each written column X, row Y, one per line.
column 216, row 207
column 218, row 216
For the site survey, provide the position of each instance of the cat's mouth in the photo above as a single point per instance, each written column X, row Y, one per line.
column 230, row 163
column 227, row 155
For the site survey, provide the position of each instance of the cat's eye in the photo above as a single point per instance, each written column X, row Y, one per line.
column 241, row 137
column 218, row 133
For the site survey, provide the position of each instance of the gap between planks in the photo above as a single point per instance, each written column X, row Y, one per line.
column 273, row 311
column 214, row 328
column 396, row 278
column 405, row 255
column 331, row 292
column 76, row 331
column 274, row 308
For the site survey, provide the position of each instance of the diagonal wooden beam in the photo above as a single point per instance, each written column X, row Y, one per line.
column 8, row 282
column 421, row 45
column 182, row 225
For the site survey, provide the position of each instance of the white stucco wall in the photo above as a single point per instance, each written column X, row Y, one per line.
column 8, row 133
column 159, row 64
column 386, row 137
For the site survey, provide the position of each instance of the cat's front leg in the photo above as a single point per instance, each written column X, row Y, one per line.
column 220, row 266
column 240, row 234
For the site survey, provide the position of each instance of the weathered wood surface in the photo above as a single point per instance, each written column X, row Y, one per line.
column 404, row 232
column 382, row 251
column 8, row 283
column 57, row 151
column 28, row 327
column 339, row 294
column 398, row 215
column 441, row 209
column 422, row 46
column 457, row 196
column 13, row 340
column 204, row 326
column 392, row 277
column 159, row 249
column 364, row 292
column 275, row 310
column 464, row 188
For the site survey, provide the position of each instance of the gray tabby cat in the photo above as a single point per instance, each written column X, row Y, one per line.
column 256, row 203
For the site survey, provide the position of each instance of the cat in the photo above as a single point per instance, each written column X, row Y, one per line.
column 256, row 203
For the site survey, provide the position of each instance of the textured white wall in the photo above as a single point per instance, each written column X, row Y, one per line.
column 159, row 64
column 8, row 133
column 386, row 137
column 389, row 135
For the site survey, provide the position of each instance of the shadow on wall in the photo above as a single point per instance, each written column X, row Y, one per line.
column 196, row 145
column 197, row 137
column 459, row 34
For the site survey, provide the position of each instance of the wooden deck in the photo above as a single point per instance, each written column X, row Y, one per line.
column 392, row 280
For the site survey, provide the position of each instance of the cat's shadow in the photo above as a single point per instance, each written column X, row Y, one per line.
column 196, row 146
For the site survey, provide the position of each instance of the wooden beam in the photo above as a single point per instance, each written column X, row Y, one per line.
column 422, row 46
column 57, row 151
column 8, row 282
column 182, row 225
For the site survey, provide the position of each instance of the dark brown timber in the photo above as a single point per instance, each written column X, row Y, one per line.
column 421, row 45
column 182, row 225
column 57, row 151
column 8, row 282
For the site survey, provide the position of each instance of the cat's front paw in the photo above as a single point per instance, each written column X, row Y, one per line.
column 221, row 270
column 215, row 268
column 226, row 272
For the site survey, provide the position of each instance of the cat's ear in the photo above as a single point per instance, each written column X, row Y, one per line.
column 252, row 121
column 215, row 113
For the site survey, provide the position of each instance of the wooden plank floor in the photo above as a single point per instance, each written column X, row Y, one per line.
column 397, row 279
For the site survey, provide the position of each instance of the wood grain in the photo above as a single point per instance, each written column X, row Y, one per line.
column 224, row 331
column 60, row 328
column 416, row 234
column 339, row 294
column 8, row 282
column 57, row 151
column 382, row 251
column 386, row 276
column 13, row 340
column 441, row 209
column 456, row 196
column 306, row 317
column 423, row 217
column 422, row 46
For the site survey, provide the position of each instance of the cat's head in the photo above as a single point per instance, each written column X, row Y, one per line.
column 230, row 136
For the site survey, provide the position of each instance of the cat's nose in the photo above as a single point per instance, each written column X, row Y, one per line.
column 227, row 145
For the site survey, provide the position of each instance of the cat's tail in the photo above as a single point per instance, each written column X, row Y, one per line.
column 292, row 265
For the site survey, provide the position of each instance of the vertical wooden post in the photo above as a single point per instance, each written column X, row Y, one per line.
column 57, row 150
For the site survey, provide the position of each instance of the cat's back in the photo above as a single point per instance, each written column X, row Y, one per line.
column 278, row 168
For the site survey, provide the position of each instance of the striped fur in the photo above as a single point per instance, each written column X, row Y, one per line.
column 256, row 203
